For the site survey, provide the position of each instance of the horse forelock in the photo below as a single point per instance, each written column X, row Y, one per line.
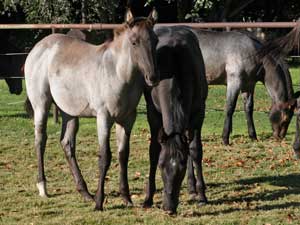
column 138, row 21
column 177, row 147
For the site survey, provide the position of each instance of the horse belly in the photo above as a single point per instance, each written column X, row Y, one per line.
column 70, row 96
column 215, row 74
column 124, row 104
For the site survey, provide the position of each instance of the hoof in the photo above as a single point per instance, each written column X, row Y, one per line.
column 253, row 138
column 225, row 141
column 147, row 204
column 129, row 204
column 193, row 197
column 200, row 204
column 42, row 189
column 171, row 213
column 88, row 197
column 98, row 208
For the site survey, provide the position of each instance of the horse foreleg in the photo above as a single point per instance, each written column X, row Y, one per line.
column 248, row 107
column 191, row 179
column 104, row 125
column 68, row 142
column 123, row 136
column 154, row 150
column 196, row 154
column 232, row 95
column 155, row 123
column 296, row 145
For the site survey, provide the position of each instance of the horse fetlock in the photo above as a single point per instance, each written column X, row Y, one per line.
column 42, row 189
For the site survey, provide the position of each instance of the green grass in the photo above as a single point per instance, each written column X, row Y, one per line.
column 247, row 182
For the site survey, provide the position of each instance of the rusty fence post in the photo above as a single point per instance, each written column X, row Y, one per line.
column 55, row 109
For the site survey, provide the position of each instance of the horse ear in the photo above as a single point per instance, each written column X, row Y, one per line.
column 128, row 15
column 153, row 16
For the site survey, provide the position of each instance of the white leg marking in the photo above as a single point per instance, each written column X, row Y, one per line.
column 42, row 189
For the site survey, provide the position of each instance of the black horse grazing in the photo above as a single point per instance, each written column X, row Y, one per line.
column 175, row 111
column 11, row 66
column 232, row 58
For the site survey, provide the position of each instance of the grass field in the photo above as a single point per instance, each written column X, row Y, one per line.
column 247, row 182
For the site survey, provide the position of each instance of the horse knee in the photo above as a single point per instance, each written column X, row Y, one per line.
column 67, row 147
column 196, row 154
column 40, row 141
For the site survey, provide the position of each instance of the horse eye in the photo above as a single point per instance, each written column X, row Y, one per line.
column 134, row 43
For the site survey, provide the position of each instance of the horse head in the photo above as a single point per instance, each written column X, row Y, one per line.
column 142, row 42
column 172, row 163
column 281, row 115
column 15, row 85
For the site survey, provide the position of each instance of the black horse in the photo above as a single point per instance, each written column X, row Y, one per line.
column 175, row 111
column 11, row 66
column 232, row 58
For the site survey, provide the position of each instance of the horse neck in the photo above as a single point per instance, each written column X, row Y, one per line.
column 277, row 80
column 126, row 69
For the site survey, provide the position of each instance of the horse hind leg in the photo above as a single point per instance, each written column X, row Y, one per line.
column 68, row 141
column 233, row 88
column 248, row 107
column 40, row 130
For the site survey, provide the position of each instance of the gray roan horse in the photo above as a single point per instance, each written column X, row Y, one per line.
column 232, row 58
column 175, row 111
column 104, row 81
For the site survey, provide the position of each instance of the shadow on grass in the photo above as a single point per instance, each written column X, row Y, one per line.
column 16, row 115
column 290, row 184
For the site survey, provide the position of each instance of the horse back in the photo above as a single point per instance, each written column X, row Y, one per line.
column 227, row 52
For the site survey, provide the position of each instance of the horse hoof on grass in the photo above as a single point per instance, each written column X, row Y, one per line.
column 147, row 204
column 88, row 198
column 98, row 208
column 202, row 203
column 193, row 197
column 129, row 204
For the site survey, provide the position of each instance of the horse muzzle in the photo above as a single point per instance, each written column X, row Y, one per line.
column 152, row 80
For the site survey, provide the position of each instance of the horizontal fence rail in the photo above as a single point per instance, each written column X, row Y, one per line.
column 104, row 26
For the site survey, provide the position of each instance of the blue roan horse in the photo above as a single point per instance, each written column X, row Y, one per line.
column 104, row 81
column 232, row 58
column 175, row 111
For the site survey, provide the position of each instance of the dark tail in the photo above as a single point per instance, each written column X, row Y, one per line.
column 280, row 47
column 28, row 108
